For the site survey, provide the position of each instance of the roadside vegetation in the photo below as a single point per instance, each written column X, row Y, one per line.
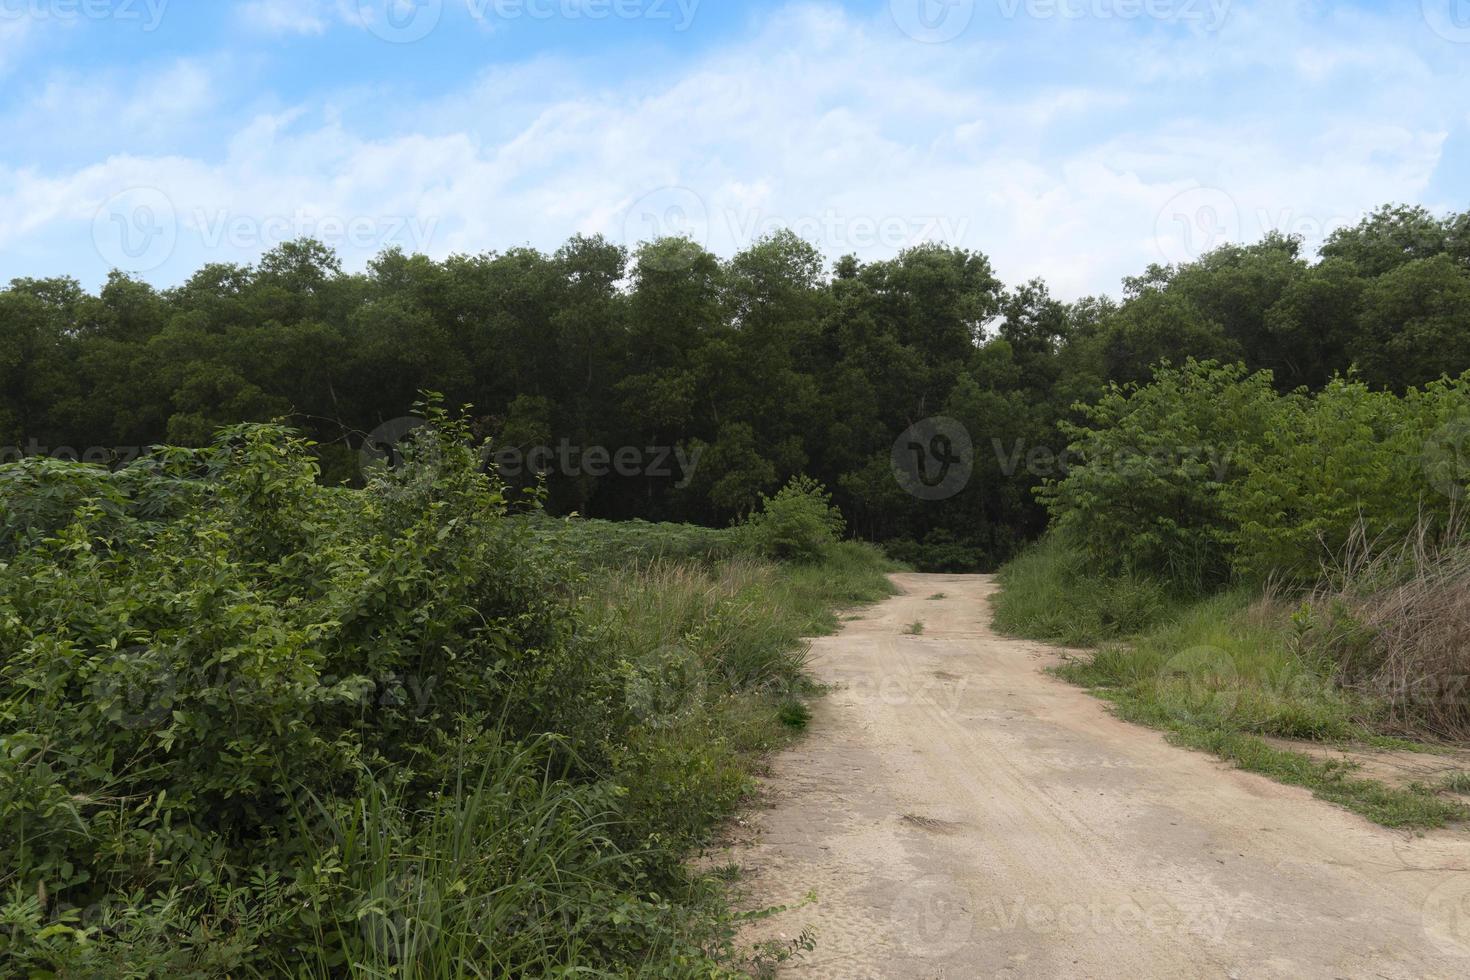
column 255, row 726
column 1262, row 565
column 259, row 698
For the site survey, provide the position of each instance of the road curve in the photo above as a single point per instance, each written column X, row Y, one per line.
column 959, row 813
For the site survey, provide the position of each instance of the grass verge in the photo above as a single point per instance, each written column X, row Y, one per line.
column 1219, row 674
column 1048, row 593
column 715, row 655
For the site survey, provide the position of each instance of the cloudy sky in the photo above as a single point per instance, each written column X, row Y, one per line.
column 1076, row 140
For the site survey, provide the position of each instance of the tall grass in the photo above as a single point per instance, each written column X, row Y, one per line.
column 523, row 870
column 715, row 655
column 1225, row 663
column 1051, row 592
column 513, row 872
column 1395, row 622
column 600, row 544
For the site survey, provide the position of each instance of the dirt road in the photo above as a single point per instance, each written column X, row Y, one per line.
column 958, row 813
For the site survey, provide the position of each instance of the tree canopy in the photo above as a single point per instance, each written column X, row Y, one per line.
column 724, row 377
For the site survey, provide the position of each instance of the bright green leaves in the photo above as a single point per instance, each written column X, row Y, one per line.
column 798, row 524
column 1208, row 473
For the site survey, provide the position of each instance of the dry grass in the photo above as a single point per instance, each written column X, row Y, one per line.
column 1395, row 621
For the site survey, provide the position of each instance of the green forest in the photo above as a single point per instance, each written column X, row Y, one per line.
column 289, row 688
column 724, row 378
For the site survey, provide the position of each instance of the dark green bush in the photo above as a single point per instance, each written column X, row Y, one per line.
column 940, row 551
column 798, row 524
column 256, row 726
column 1153, row 466
column 208, row 662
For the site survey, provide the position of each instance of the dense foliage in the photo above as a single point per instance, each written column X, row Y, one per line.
column 1282, row 550
column 254, row 724
column 798, row 524
column 1287, row 566
column 1208, row 474
column 739, row 374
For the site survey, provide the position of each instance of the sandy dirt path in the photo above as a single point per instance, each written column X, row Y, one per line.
column 958, row 813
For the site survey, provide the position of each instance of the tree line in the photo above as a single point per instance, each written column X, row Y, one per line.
column 737, row 374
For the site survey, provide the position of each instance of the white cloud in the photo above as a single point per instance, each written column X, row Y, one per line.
column 71, row 113
column 285, row 16
column 837, row 126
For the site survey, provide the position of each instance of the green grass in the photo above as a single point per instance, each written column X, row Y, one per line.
column 499, row 875
column 795, row 714
column 1218, row 674
column 1218, row 665
column 1456, row 782
column 724, row 647
column 610, row 544
column 852, row 574
column 1394, row 743
column 915, row 628
column 1048, row 593
column 517, row 832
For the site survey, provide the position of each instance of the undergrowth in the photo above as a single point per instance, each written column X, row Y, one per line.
column 1051, row 592
column 256, row 727
column 1221, row 674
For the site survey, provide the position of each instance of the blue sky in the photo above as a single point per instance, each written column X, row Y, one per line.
column 1076, row 140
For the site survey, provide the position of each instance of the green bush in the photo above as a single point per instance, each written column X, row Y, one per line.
column 208, row 638
column 1154, row 464
column 798, row 524
column 256, row 726
column 1348, row 461
column 1208, row 474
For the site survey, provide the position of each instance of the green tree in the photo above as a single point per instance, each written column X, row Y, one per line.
column 1415, row 323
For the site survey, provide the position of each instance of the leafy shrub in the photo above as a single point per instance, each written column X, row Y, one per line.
column 174, row 688
column 798, row 524
column 1154, row 465
column 39, row 495
column 1349, row 460
column 1208, row 474
column 255, row 725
